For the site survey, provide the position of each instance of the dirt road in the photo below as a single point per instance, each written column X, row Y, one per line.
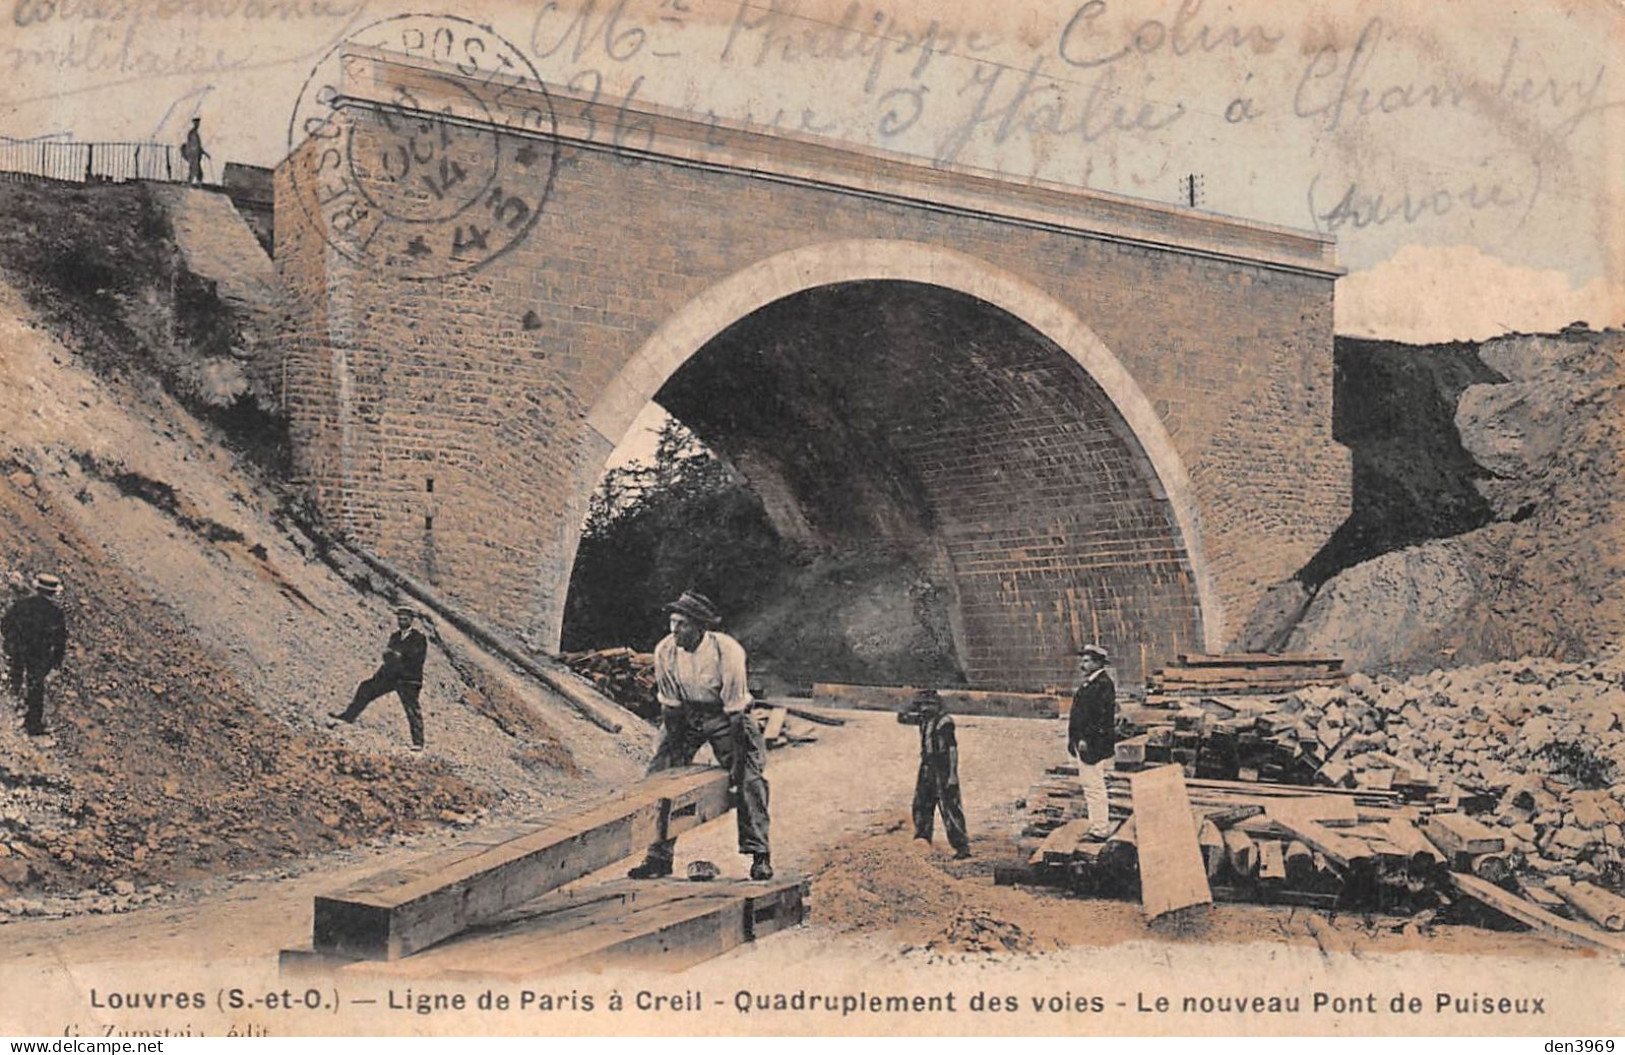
column 839, row 814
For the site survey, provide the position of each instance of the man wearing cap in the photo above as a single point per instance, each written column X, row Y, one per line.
column 937, row 785
column 704, row 698
column 1091, row 735
column 35, row 633
column 401, row 673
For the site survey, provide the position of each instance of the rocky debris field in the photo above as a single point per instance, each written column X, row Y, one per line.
column 1542, row 738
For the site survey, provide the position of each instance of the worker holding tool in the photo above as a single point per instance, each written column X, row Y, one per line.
column 1091, row 734
column 700, row 682
column 936, row 787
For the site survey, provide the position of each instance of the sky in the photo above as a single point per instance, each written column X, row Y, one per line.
column 1467, row 156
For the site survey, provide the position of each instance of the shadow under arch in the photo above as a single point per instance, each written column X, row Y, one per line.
column 693, row 326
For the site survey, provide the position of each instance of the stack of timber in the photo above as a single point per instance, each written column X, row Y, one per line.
column 896, row 699
column 401, row 912
column 1269, row 843
column 1245, row 673
column 1328, row 848
column 1282, row 741
column 622, row 674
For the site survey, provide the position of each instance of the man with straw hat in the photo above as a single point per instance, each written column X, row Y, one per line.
column 704, row 698
column 1091, row 735
column 35, row 633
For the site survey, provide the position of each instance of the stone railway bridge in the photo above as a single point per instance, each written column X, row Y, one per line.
column 1090, row 417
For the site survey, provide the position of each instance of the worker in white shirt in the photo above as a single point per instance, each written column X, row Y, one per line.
column 701, row 684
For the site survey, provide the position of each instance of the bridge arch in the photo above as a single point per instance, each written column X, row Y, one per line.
column 688, row 331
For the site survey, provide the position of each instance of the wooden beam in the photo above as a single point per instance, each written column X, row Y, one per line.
column 1060, row 844
column 1172, row 874
column 957, row 701
column 1211, row 842
column 662, row 924
column 1251, row 790
column 1333, row 808
column 1271, row 861
column 1497, row 868
column 1131, row 751
column 1542, row 897
column 1596, row 904
column 1457, row 833
column 1260, row 659
column 1306, row 898
column 398, row 912
column 775, row 723
column 1300, row 864
column 1340, row 850
column 577, row 691
column 1229, row 816
column 1242, row 853
column 1424, row 856
column 815, row 717
column 1534, row 916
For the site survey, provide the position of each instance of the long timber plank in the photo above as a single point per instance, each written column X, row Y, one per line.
column 399, row 912
column 1261, row 659
column 958, row 701
column 1533, row 916
column 662, row 924
column 1172, row 873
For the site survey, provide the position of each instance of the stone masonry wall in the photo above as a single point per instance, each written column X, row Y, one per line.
column 480, row 382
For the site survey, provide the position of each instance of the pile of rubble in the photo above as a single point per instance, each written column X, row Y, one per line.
column 1494, row 784
column 1536, row 744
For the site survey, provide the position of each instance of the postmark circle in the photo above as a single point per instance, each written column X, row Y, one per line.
column 423, row 144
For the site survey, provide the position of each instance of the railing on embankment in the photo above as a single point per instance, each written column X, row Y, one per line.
column 84, row 162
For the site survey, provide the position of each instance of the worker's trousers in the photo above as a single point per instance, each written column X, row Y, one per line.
column 28, row 682
column 1093, row 777
column 382, row 684
column 936, row 788
column 737, row 742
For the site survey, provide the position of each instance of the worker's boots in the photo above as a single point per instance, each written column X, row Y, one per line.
column 650, row 870
column 762, row 867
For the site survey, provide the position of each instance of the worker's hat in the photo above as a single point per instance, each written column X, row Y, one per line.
column 1094, row 650
column 697, row 607
column 45, row 582
column 406, row 610
column 927, row 698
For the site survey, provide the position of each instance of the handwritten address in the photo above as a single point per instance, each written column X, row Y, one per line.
column 1102, row 86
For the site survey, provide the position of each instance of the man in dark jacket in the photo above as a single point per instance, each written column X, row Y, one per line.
column 401, row 673
column 936, row 787
column 1091, row 734
column 35, row 634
